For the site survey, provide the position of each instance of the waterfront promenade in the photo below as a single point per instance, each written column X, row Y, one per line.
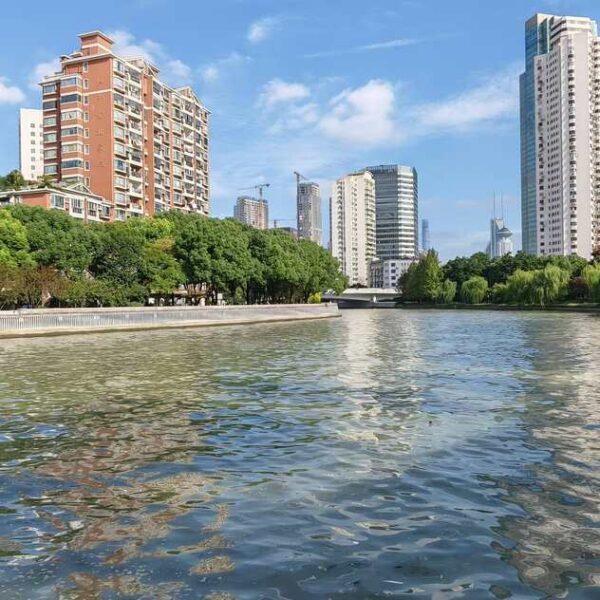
column 38, row 322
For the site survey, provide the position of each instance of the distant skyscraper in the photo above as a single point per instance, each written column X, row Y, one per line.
column 252, row 211
column 352, row 212
column 397, row 211
column 425, row 239
column 500, row 239
column 31, row 142
column 560, row 103
column 308, row 201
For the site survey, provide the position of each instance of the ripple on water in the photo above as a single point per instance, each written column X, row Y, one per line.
column 387, row 454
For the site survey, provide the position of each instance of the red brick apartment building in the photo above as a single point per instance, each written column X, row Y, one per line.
column 111, row 126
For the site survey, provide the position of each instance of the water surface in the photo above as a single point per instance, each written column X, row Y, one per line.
column 408, row 454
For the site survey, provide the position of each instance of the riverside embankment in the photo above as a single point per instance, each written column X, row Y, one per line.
column 39, row 322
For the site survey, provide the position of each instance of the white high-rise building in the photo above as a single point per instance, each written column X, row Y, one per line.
column 500, row 242
column 352, row 217
column 31, row 143
column 561, row 136
column 396, row 211
column 308, row 203
column 252, row 211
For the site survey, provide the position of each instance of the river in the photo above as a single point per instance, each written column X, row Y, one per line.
column 417, row 454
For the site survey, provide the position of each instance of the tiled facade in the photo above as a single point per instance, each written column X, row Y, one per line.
column 113, row 126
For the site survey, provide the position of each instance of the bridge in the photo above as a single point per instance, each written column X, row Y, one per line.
column 365, row 298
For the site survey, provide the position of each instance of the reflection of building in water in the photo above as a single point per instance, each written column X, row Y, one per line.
column 116, row 484
column 373, row 359
column 558, row 541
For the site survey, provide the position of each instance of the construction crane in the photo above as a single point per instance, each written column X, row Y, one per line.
column 299, row 177
column 260, row 187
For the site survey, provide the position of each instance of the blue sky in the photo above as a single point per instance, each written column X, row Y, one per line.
column 322, row 87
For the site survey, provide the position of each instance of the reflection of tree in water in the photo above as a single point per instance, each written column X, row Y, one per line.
column 111, row 504
column 557, row 543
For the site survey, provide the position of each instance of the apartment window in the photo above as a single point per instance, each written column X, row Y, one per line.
column 85, row 67
column 86, row 149
column 121, row 198
column 49, row 137
column 71, row 147
column 120, row 165
column 120, row 149
column 68, row 98
column 33, row 134
column 86, row 84
column 71, row 131
column 77, row 205
column 49, row 121
column 120, row 117
column 57, row 201
column 87, row 165
column 86, row 100
column 71, row 164
column 86, row 116
column 49, row 105
column 86, row 133
column 69, row 81
column 69, row 115
column 120, row 132
column 50, row 153
column 49, row 88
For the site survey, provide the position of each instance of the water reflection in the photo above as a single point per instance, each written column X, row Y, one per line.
column 557, row 540
column 387, row 454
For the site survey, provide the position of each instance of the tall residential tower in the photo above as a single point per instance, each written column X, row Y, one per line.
column 308, row 203
column 31, row 143
column 560, row 137
column 352, row 217
column 252, row 211
column 112, row 125
column 397, row 211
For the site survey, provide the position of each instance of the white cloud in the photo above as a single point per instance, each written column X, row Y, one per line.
column 363, row 115
column 497, row 97
column 10, row 94
column 296, row 117
column 260, row 30
column 397, row 43
column 213, row 71
column 278, row 91
column 179, row 72
column 126, row 45
column 173, row 70
column 42, row 70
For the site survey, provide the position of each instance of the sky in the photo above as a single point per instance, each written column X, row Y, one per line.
column 323, row 87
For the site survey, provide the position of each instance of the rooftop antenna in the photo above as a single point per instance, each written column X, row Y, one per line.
column 502, row 206
column 494, row 209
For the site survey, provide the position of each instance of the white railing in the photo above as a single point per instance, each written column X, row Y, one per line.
column 65, row 320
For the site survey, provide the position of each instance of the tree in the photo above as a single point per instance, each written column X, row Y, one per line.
column 14, row 180
column 14, row 243
column 462, row 268
column 591, row 276
column 424, row 279
column 447, row 292
column 159, row 271
column 474, row 290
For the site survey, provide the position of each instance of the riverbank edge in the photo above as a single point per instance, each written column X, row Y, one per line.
column 54, row 332
column 503, row 307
